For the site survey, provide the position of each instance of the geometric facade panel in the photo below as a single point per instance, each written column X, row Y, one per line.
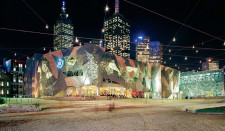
column 89, row 67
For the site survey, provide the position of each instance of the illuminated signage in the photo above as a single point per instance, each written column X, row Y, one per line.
column 60, row 63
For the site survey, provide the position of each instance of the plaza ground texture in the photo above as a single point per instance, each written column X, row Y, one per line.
column 129, row 115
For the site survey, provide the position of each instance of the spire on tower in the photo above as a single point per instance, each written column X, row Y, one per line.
column 63, row 6
column 63, row 3
column 116, row 6
column 63, row 14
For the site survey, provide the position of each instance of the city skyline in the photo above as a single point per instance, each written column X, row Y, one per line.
column 112, row 65
column 89, row 24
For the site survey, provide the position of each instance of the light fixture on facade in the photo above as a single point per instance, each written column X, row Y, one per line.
column 185, row 58
column 209, row 60
column 170, row 58
column 15, row 54
column 100, row 43
column 193, row 46
column 196, row 51
column 44, row 48
column 169, row 50
column 103, row 30
column 200, row 61
column 76, row 40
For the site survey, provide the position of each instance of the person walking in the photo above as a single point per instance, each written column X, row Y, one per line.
column 111, row 105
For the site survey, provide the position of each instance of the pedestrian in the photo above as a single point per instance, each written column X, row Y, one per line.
column 111, row 105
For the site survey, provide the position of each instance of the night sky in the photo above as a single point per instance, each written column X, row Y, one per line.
column 88, row 16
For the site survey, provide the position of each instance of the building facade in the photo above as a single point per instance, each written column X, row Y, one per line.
column 210, row 64
column 5, row 84
column 89, row 71
column 202, row 84
column 148, row 51
column 63, row 31
column 94, row 42
column 156, row 52
column 117, row 34
column 142, row 49
column 16, row 69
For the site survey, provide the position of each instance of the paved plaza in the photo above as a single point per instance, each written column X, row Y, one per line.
column 129, row 114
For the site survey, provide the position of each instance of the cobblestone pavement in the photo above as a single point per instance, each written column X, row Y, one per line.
column 129, row 115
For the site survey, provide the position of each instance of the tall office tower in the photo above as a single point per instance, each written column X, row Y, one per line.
column 210, row 64
column 117, row 34
column 156, row 52
column 142, row 49
column 63, row 31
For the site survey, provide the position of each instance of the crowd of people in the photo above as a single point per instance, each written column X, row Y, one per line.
column 114, row 95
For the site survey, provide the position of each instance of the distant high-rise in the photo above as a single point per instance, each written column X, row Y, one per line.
column 63, row 31
column 148, row 51
column 210, row 64
column 156, row 52
column 142, row 49
column 117, row 34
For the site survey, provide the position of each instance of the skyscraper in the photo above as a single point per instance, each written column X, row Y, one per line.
column 142, row 49
column 63, row 31
column 117, row 34
column 148, row 51
column 156, row 52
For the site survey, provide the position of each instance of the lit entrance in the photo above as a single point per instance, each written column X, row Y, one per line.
column 114, row 89
column 89, row 91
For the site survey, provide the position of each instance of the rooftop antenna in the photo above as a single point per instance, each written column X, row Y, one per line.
column 63, row 6
column 63, row 14
column 117, row 6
